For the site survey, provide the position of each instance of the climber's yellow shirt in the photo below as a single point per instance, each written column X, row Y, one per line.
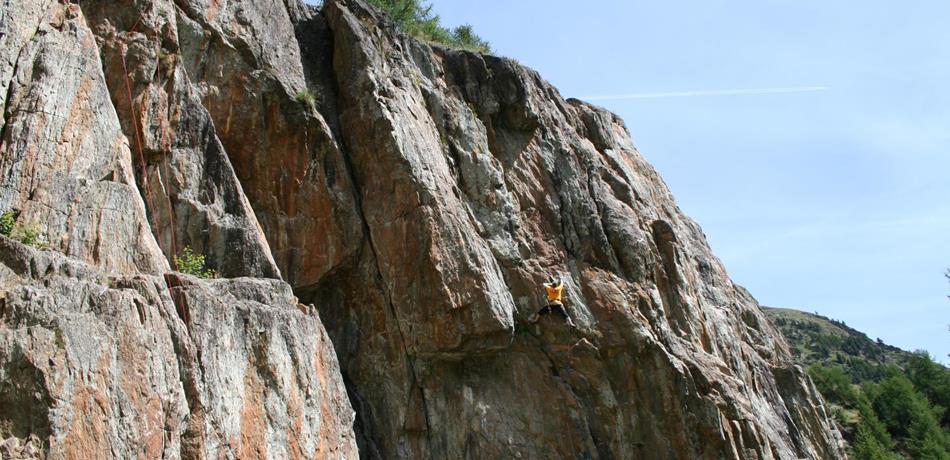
column 554, row 292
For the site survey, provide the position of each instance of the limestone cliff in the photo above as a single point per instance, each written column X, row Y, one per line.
column 416, row 196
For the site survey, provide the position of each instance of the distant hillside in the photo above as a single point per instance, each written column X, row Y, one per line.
column 815, row 339
column 889, row 404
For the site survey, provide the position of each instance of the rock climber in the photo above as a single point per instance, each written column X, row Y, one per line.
column 553, row 289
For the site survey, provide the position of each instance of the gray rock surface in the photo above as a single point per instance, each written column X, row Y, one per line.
column 476, row 181
column 278, row 126
column 417, row 195
column 65, row 161
column 104, row 353
column 191, row 190
column 97, row 365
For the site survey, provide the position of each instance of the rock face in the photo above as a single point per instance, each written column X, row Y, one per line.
column 104, row 353
column 417, row 196
column 100, row 365
column 65, row 160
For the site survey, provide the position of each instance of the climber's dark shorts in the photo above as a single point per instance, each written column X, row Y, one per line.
column 556, row 307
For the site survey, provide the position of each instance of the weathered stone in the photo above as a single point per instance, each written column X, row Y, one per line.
column 417, row 195
column 192, row 193
column 64, row 162
column 476, row 181
column 128, row 367
column 89, row 365
column 453, row 297
column 19, row 24
column 279, row 128
column 264, row 382
column 105, row 365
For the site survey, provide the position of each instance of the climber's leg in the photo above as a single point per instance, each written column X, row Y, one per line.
column 559, row 307
column 543, row 311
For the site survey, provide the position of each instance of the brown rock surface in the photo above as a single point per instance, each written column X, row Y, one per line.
column 476, row 180
column 191, row 190
column 100, row 355
column 417, row 195
column 65, row 162
column 136, row 366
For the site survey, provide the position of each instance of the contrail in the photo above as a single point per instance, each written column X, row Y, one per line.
column 721, row 92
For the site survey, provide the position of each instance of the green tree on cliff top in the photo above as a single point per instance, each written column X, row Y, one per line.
column 416, row 18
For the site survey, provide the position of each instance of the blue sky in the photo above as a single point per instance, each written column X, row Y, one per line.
column 834, row 200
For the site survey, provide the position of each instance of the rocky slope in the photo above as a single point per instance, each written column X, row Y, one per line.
column 418, row 202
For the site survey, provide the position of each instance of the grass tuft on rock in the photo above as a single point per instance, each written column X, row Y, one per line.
column 7, row 223
column 307, row 97
column 192, row 263
column 28, row 234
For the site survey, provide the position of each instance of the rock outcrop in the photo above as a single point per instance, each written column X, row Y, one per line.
column 100, row 365
column 104, row 353
column 65, row 160
column 416, row 196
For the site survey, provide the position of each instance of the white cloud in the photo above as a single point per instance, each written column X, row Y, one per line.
column 720, row 92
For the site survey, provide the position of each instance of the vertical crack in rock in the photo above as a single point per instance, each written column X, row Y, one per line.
column 208, row 210
column 8, row 96
column 6, row 115
column 20, row 26
column 60, row 138
column 380, row 281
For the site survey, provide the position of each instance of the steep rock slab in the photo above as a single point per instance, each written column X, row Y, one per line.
column 477, row 180
column 192, row 193
column 64, row 163
column 264, row 381
column 123, row 367
column 453, row 296
column 242, row 62
column 106, row 365
column 278, row 126
column 496, row 182
column 19, row 24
